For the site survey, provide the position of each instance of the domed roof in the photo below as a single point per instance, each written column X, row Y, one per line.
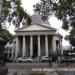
column 38, row 20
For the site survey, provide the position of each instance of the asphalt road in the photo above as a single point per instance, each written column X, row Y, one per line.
column 26, row 68
column 66, row 73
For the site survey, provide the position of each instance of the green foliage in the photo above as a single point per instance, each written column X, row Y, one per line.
column 5, row 34
column 12, row 9
column 63, row 10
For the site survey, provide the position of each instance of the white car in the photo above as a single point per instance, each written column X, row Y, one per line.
column 25, row 59
column 44, row 59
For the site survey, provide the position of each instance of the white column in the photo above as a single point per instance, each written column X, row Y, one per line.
column 31, row 46
column 38, row 45
column 53, row 44
column 17, row 47
column 24, row 47
column 12, row 49
column 46, row 44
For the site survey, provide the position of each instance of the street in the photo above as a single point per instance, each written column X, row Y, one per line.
column 27, row 69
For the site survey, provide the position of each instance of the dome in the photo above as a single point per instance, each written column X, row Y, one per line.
column 38, row 20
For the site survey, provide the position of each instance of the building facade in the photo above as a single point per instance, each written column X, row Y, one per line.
column 36, row 40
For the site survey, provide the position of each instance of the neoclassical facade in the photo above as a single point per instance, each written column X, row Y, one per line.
column 36, row 40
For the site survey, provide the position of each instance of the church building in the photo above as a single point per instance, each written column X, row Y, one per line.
column 37, row 39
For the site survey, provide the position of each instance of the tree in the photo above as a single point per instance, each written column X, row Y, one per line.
column 13, row 12
column 63, row 10
column 5, row 34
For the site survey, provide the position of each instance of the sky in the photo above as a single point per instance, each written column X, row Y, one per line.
column 54, row 22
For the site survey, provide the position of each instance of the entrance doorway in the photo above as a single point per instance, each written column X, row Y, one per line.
column 35, row 46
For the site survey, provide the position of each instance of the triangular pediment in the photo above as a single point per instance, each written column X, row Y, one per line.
column 36, row 27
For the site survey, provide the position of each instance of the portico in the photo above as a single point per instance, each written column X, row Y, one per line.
column 36, row 40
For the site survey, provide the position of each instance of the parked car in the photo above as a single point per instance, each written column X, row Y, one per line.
column 46, row 59
column 25, row 59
